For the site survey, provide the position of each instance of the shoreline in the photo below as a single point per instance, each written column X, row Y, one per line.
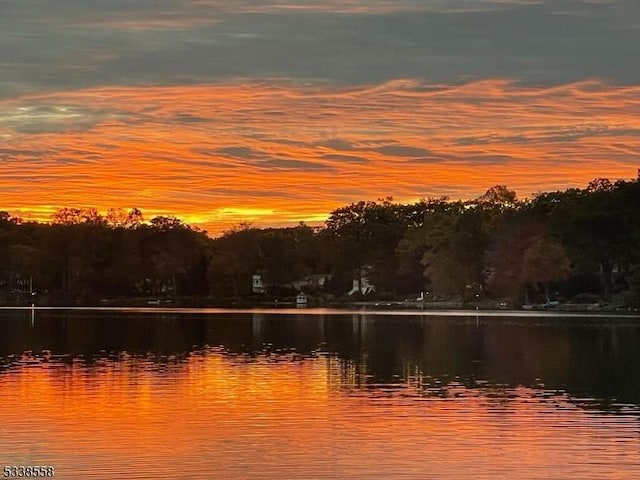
column 344, row 310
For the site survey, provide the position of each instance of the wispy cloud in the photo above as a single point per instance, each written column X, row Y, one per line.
column 276, row 111
column 68, row 44
column 121, row 146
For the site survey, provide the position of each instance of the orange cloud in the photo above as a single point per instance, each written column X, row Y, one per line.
column 274, row 153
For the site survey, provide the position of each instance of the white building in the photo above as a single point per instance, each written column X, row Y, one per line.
column 257, row 284
column 362, row 283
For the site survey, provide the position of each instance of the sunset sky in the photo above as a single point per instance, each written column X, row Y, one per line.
column 274, row 112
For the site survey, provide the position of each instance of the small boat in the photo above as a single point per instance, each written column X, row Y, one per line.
column 301, row 300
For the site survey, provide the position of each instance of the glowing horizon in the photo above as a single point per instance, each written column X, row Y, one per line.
column 279, row 112
column 212, row 156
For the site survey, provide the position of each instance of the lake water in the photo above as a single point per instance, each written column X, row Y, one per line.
column 307, row 395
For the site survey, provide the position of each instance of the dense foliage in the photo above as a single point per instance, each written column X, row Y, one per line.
column 577, row 244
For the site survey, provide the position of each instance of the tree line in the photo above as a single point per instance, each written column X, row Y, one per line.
column 575, row 245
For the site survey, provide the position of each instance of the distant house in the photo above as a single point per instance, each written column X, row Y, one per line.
column 362, row 282
column 301, row 300
column 14, row 283
column 257, row 283
column 316, row 281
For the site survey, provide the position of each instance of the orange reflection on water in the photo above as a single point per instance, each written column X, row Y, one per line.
column 284, row 417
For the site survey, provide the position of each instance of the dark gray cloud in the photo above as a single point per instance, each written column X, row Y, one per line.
column 346, row 158
column 338, row 144
column 402, row 151
column 239, row 152
column 253, row 157
column 47, row 118
column 11, row 153
column 275, row 164
column 69, row 44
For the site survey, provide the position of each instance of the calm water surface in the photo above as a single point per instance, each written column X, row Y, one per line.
column 266, row 395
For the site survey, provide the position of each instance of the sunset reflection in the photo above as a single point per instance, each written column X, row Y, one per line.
column 239, row 414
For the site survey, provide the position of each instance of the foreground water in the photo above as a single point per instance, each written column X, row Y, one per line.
column 266, row 395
